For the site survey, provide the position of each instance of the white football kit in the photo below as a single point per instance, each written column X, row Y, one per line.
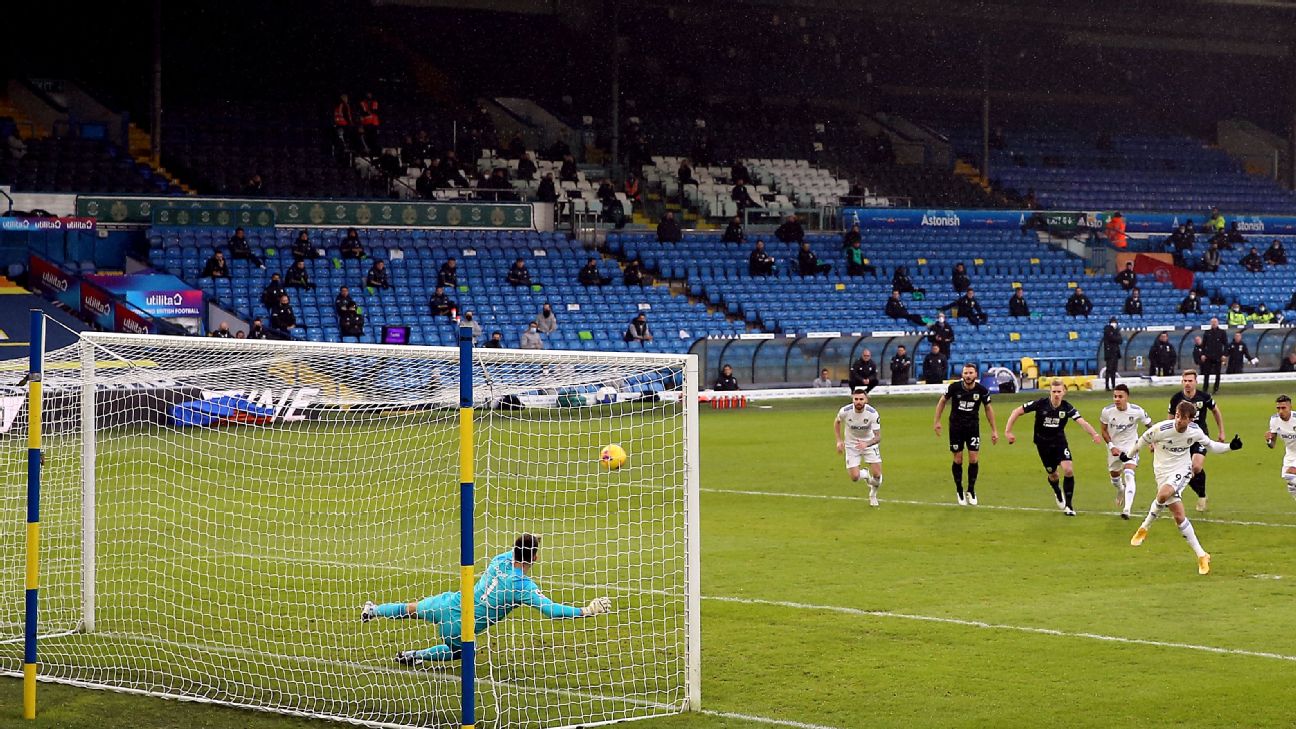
column 1172, row 457
column 1286, row 432
column 858, row 426
column 1122, row 426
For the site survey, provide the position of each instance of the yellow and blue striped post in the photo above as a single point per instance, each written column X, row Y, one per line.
column 468, row 634
column 37, row 366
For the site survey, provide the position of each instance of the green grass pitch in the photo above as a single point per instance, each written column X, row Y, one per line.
column 821, row 611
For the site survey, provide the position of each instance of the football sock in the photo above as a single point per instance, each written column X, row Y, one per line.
column 1068, row 489
column 1116, row 481
column 877, row 482
column 1130, row 487
column 1186, row 529
column 1057, row 492
column 392, row 610
column 1198, row 484
column 1290, row 478
column 972, row 476
column 957, row 470
column 1153, row 513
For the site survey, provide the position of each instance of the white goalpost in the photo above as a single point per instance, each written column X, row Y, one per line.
column 214, row 513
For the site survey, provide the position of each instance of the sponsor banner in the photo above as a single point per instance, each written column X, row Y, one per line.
column 98, row 305
column 1061, row 221
column 47, row 224
column 154, row 294
column 124, row 210
column 130, row 322
column 54, row 282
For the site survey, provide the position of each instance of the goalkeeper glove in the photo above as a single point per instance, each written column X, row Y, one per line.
column 597, row 606
column 1236, row 443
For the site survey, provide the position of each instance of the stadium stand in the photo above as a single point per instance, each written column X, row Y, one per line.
column 63, row 164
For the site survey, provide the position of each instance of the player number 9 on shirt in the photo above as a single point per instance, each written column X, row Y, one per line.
column 612, row 457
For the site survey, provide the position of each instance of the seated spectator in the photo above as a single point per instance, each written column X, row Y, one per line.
column 1236, row 317
column 216, row 267
column 901, row 282
column 970, row 309
column 823, row 380
column 282, row 317
column 633, row 274
column 856, row 265
column 808, row 263
column 531, row 337
column 760, row 263
column 254, row 187
column 1078, row 304
column 738, row 171
column 1210, row 260
column 441, row 305
column 896, row 309
column 1276, row 255
column 257, row 330
column 1127, row 278
column 451, row 174
column 241, row 250
column 350, row 324
column 733, row 232
column 377, row 276
column 526, row 168
column 1017, row 306
column 567, row 171
column 298, row 277
column 638, row 330
column 547, row 192
column 222, row 332
column 546, row 322
column 428, row 181
column 240, row 334
column 1252, row 261
column 302, row 248
column 1261, row 315
column 496, row 340
column 1190, row 304
column 471, row 322
column 273, row 290
column 959, row 278
column 1234, row 236
column 668, row 230
column 1288, row 363
column 852, row 237
column 934, row 366
column 743, row 198
column 613, row 211
column 726, row 382
column 518, row 274
column 1134, row 304
column 590, row 276
column 633, row 190
column 864, row 372
column 448, row 275
column 343, row 302
column 791, row 231
column 351, row 245
column 1215, row 223
column 685, row 175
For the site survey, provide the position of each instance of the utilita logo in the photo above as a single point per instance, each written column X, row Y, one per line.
column 164, row 300
column 133, row 326
column 97, row 305
column 948, row 220
column 55, row 281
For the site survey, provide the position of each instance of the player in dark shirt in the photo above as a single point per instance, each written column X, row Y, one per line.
column 1203, row 402
column 1051, row 416
column 966, row 398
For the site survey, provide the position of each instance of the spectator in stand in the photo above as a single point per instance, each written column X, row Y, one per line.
column 633, row 190
column 1078, row 304
column 633, row 274
column 302, row 248
column 668, row 230
column 1190, row 304
column 257, row 330
column 282, row 317
column 216, row 267
column 726, row 382
column 273, row 290
column 1181, row 242
column 531, row 338
column 808, row 263
column 297, row 276
column 1261, row 315
column 518, row 274
column 240, row 334
column 568, row 172
column 934, row 366
column 343, row 302
column 516, row 147
column 685, row 175
column 613, row 211
column 941, row 334
column 1236, row 317
column 1111, row 341
column 733, row 231
column 864, row 372
column 856, row 265
column 439, row 304
column 451, row 174
column 547, row 192
column 1214, row 346
column 738, row 171
column 1134, row 304
column 351, row 245
column 496, row 340
column 970, row 309
column 760, row 263
column 638, row 330
column 1017, row 306
column 852, row 237
column 1252, row 261
column 743, row 198
column 222, row 332
column 1115, row 230
column 350, row 324
column 901, row 282
column 959, row 278
column 255, row 186
column 896, row 309
column 1238, row 354
column 427, row 183
column 791, row 231
column 1276, row 255
column 823, row 380
column 901, row 366
column 546, row 322
column 377, row 276
column 1127, row 278
column 448, row 275
column 1210, row 260
column 1162, row 358
column 241, row 250
column 1288, row 363
column 1234, row 237
column 369, row 123
column 590, row 276
column 470, row 321
column 343, row 126
column 1215, row 223
column 526, row 168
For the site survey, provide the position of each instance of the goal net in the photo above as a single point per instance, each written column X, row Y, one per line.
column 216, row 512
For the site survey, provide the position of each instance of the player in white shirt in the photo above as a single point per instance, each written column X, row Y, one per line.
column 1172, row 458
column 1120, row 429
column 1283, row 425
column 863, row 433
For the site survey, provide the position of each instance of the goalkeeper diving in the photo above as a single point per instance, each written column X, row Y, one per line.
column 504, row 586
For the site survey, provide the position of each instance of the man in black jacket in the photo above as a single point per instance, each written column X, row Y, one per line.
column 1017, row 306
column 1238, row 355
column 901, row 366
column 668, row 230
column 377, row 276
column 282, row 317
column 1111, row 339
column 934, row 366
column 1078, row 304
column 1127, row 279
column 743, row 198
column 518, row 274
column 343, row 302
column 297, row 276
column 896, row 309
column 547, row 191
column 808, row 263
column 1214, row 344
column 1134, row 304
column 1162, row 358
column 240, row 249
column 901, row 282
column 448, row 275
column 441, row 305
column 1252, row 261
column 350, row 324
column 760, row 263
column 1190, row 304
column 791, row 231
column 864, row 372
column 733, row 232
column 942, row 334
column 273, row 290
column 970, row 309
column 726, row 382
column 216, row 267
column 590, row 276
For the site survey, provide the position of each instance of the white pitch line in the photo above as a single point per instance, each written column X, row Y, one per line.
column 764, row 720
column 1001, row 626
column 953, row 505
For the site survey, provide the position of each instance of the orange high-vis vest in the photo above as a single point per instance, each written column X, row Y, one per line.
column 369, row 112
column 1116, row 232
column 342, row 115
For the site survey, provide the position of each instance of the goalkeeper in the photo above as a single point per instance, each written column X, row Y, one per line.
column 503, row 586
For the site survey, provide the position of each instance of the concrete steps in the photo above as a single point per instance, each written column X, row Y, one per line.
column 141, row 149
